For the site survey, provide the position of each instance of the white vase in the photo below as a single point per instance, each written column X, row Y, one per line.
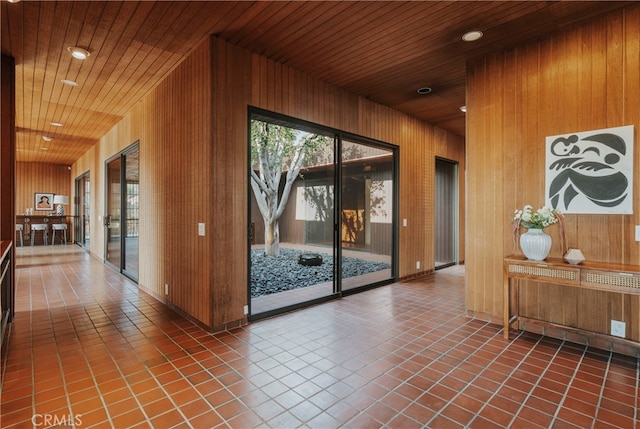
column 535, row 244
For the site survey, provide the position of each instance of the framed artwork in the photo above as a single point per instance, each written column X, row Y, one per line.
column 590, row 172
column 43, row 201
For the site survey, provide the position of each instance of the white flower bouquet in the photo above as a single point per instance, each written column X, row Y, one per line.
column 539, row 219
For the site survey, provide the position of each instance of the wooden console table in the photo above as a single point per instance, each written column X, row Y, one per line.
column 588, row 275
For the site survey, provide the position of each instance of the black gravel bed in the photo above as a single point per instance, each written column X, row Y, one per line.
column 272, row 274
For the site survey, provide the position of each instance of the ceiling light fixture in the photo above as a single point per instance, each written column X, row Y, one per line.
column 47, row 138
column 472, row 36
column 13, row 1
column 56, row 124
column 44, row 148
column 424, row 90
column 69, row 82
column 78, row 53
column 463, row 109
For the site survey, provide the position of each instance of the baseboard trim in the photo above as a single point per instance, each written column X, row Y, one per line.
column 574, row 335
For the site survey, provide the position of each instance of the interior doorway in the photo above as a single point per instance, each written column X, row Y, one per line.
column 446, row 213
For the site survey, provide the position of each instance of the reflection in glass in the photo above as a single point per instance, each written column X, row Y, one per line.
column 367, row 214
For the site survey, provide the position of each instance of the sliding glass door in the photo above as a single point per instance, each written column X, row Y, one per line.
column 292, row 177
column 83, row 210
column 367, row 212
column 322, row 214
column 113, row 251
column 121, row 220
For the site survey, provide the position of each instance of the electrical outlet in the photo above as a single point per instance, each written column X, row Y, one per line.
column 166, row 288
column 246, row 310
column 618, row 328
column 417, row 265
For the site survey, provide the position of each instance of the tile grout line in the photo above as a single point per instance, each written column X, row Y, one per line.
column 636, row 418
column 415, row 401
column 604, row 382
column 566, row 391
column 105, row 407
column 503, row 383
column 393, row 328
column 450, row 310
column 32, row 351
column 60, row 365
column 439, row 412
column 91, row 372
column 183, row 377
column 479, row 375
column 529, row 394
column 114, row 359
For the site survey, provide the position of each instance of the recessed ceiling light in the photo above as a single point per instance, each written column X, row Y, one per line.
column 13, row 1
column 47, row 138
column 463, row 109
column 424, row 90
column 78, row 53
column 69, row 82
column 472, row 36
column 44, row 148
column 56, row 124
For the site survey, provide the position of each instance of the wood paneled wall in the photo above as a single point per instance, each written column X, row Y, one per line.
column 7, row 151
column 269, row 85
column 193, row 168
column 32, row 177
column 287, row 91
column 173, row 127
column 584, row 79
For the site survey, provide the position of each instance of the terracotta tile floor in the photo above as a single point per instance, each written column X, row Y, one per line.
column 88, row 350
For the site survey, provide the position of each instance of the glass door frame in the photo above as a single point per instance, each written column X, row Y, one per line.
column 121, row 156
column 80, row 230
column 339, row 136
column 108, row 212
column 395, row 204
column 278, row 119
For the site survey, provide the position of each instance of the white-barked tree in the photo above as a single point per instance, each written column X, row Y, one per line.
column 277, row 150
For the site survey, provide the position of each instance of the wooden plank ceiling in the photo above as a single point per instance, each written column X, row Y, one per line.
column 381, row 50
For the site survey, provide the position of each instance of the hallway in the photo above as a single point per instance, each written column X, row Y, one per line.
column 87, row 349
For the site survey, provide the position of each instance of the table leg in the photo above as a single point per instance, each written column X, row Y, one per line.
column 506, row 305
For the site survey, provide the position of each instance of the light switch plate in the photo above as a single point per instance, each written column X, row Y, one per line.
column 201, row 229
column 637, row 232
